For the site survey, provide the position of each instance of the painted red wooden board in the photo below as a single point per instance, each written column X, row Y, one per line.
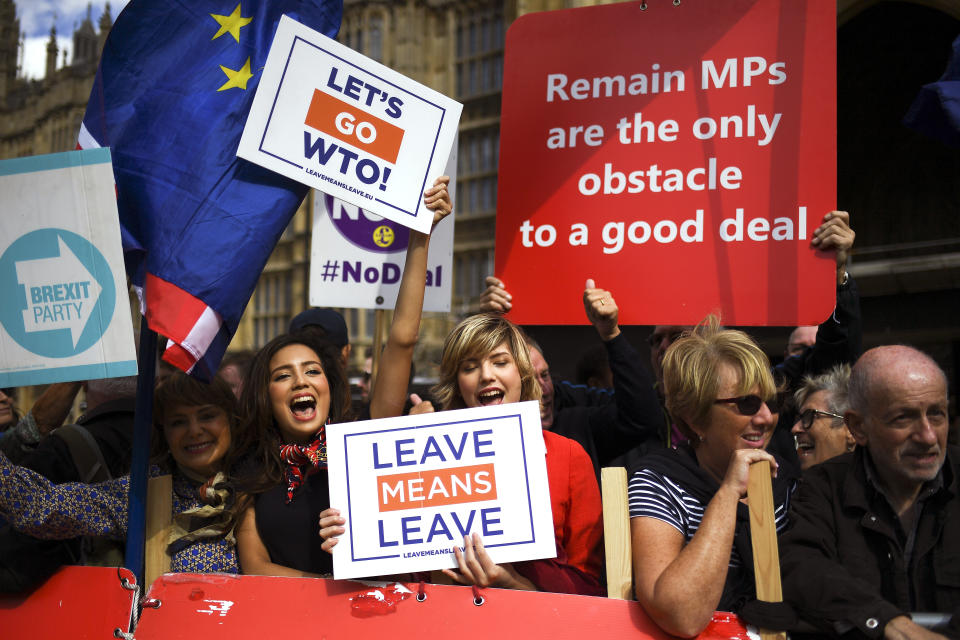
column 256, row 607
column 76, row 602
column 618, row 163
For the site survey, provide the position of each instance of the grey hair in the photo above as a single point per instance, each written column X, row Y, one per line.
column 836, row 382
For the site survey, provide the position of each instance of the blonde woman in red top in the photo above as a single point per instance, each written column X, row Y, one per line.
column 485, row 362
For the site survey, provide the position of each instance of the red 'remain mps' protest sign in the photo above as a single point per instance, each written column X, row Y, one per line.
column 680, row 156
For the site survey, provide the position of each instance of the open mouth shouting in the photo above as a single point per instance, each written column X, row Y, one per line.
column 490, row 396
column 303, row 407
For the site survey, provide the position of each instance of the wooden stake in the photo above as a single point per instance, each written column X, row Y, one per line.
column 763, row 538
column 616, row 533
column 159, row 521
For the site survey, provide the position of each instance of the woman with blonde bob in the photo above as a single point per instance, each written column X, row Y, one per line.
column 689, row 520
column 471, row 339
column 485, row 362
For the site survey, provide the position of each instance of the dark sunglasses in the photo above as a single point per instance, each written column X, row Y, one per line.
column 654, row 339
column 749, row 405
column 807, row 418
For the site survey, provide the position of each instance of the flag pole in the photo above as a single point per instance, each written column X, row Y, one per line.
column 140, row 457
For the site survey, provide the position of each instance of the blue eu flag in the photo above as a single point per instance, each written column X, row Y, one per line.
column 171, row 97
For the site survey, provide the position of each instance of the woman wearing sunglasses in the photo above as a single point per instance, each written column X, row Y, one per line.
column 689, row 520
column 819, row 431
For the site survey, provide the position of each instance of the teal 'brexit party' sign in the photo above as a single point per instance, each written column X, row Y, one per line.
column 60, row 285
column 65, row 314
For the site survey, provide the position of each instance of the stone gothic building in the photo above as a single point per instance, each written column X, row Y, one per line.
column 43, row 116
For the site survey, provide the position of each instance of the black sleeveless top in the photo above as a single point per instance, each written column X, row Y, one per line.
column 291, row 532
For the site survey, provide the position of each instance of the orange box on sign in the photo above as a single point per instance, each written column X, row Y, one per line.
column 354, row 126
column 474, row 483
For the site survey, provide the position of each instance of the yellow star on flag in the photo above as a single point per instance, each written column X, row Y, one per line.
column 236, row 79
column 231, row 23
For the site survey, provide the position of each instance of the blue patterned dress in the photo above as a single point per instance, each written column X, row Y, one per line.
column 35, row 506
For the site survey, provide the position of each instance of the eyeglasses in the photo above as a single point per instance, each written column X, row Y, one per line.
column 808, row 416
column 749, row 405
column 654, row 339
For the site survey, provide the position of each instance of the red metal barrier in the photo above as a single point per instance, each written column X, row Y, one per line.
column 76, row 603
column 255, row 607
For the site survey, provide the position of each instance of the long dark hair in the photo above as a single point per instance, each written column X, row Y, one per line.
column 257, row 451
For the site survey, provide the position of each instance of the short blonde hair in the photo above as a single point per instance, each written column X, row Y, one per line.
column 474, row 338
column 691, row 371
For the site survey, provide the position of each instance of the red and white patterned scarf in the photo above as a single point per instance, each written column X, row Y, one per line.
column 303, row 460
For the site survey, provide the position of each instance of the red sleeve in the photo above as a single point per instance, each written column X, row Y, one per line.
column 584, row 523
column 578, row 523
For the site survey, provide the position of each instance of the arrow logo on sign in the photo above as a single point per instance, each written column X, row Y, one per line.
column 61, row 293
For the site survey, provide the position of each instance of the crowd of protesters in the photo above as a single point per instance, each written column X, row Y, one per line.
column 865, row 485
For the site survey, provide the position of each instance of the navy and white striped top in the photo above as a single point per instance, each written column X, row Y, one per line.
column 653, row 495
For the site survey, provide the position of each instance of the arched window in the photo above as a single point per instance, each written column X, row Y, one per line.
column 376, row 37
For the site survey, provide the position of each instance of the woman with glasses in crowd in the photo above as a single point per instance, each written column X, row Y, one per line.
column 689, row 520
column 819, row 431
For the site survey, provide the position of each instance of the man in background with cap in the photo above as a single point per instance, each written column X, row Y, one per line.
column 326, row 324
